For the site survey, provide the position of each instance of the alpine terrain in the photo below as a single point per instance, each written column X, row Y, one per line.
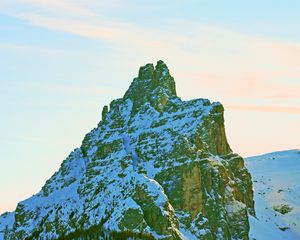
column 276, row 180
column 155, row 167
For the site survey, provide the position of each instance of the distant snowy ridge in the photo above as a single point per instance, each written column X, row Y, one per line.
column 276, row 180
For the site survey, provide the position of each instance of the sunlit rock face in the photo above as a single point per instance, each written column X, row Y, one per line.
column 154, row 167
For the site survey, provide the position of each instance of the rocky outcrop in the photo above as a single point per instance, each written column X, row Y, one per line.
column 155, row 167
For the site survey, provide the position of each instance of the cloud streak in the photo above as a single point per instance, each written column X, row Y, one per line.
column 224, row 62
column 266, row 109
column 68, row 90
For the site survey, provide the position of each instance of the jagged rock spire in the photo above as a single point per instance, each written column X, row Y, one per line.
column 153, row 85
column 143, row 173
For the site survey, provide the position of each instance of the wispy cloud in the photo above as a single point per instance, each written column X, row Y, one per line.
column 57, row 7
column 220, row 60
column 75, row 27
column 256, row 108
column 17, row 48
column 68, row 90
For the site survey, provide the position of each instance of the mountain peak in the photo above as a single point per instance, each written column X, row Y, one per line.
column 153, row 85
column 155, row 167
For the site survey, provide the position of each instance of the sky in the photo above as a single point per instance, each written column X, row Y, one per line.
column 61, row 61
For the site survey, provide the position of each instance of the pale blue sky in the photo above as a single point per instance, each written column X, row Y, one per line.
column 61, row 61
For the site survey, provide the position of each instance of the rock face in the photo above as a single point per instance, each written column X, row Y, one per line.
column 155, row 167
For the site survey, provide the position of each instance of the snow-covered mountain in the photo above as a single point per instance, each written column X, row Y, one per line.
column 154, row 167
column 276, row 180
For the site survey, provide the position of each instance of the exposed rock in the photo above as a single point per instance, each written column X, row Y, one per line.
column 155, row 166
column 283, row 208
column 104, row 112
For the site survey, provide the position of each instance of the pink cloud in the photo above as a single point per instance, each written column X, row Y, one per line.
column 226, row 62
column 256, row 108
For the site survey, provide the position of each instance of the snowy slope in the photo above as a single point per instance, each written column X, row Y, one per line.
column 276, row 180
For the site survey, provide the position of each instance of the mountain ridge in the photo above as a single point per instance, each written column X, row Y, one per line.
column 155, row 165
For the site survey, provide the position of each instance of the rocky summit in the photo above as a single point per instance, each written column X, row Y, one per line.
column 155, row 167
